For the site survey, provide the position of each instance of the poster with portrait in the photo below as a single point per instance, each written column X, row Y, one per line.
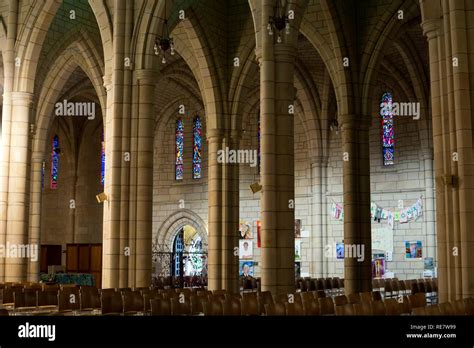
column 339, row 251
column 298, row 250
column 245, row 249
column 246, row 268
column 245, row 230
column 378, row 267
column 298, row 228
column 413, row 250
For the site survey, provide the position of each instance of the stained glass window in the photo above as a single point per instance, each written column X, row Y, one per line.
column 197, row 147
column 54, row 162
column 102, row 161
column 179, row 149
column 388, row 137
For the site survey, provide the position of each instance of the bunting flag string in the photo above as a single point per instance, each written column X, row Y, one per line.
column 377, row 213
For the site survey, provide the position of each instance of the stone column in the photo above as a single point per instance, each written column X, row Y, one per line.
column 318, row 211
column 277, row 160
column 18, row 184
column 115, row 156
column 144, row 212
column 429, row 208
column 35, row 215
column 356, row 185
column 8, row 72
column 215, row 223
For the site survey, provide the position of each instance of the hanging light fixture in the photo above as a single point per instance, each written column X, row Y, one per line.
column 164, row 42
column 278, row 22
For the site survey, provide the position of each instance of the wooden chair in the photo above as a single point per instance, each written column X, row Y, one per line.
column 345, row 310
column 133, row 302
column 89, row 298
column 111, row 303
column 433, row 310
column 48, row 299
column 326, row 306
column 25, row 299
column 362, row 308
column 417, row 300
column 459, row 307
column 3, row 312
column 180, row 307
column 376, row 296
column 306, row 296
column 366, row 297
column 294, row 309
column 213, row 307
column 404, row 306
column 392, row 307
column 160, row 307
column 250, row 304
column 378, row 308
column 69, row 300
column 275, row 309
column 340, row 300
column 469, row 306
column 311, row 307
column 232, row 307
column 355, row 297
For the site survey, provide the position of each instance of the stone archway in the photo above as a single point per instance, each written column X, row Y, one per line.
column 163, row 241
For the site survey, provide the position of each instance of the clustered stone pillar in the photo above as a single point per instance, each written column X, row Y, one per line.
column 223, row 222
column 448, row 30
column 18, row 184
column 356, row 183
column 318, row 216
column 277, row 160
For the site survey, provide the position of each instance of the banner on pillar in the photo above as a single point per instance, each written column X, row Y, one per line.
column 259, row 225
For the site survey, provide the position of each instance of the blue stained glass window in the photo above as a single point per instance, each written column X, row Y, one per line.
column 102, row 161
column 54, row 162
column 179, row 149
column 388, row 136
column 197, row 147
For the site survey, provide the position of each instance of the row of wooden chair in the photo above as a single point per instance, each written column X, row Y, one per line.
column 331, row 286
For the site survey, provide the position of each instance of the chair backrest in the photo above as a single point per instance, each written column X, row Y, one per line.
column 180, row 306
column 111, row 302
column 392, row 307
column 275, row 309
column 3, row 312
column 362, row 308
column 378, row 307
column 133, row 302
column 306, row 296
column 232, row 306
column 376, row 296
column 69, row 300
column 354, row 298
column 417, row 300
column 266, row 297
column 326, row 305
column 311, row 307
column 459, row 307
column 213, row 307
column 160, row 306
column 48, row 298
column 340, row 300
column 250, row 305
column 366, row 297
column 312, row 285
column 469, row 306
column 294, row 309
column 90, row 298
column 433, row 310
column 404, row 305
column 347, row 309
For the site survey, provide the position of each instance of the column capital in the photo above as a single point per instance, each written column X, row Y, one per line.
column 22, row 98
column 213, row 134
column 431, row 28
column 147, row 76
